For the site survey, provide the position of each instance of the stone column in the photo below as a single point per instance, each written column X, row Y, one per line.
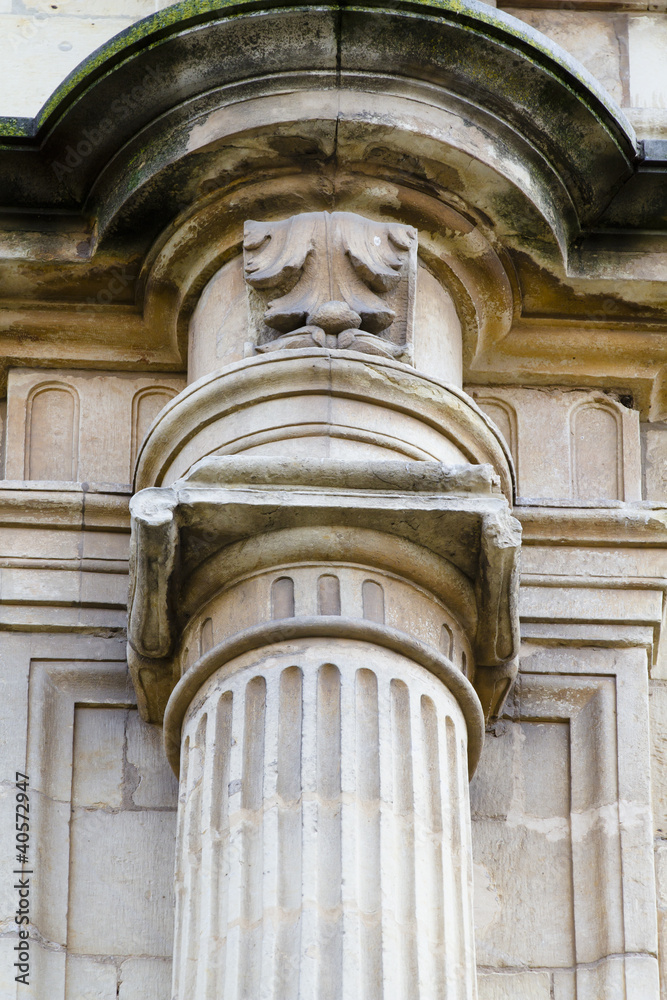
column 323, row 612
column 324, row 826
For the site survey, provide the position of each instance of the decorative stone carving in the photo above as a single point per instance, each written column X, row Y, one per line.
column 323, row 612
column 335, row 279
column 448, row 531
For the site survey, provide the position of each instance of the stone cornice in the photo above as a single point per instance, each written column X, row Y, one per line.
column 617, row 524
column 553, row 104
column 62, row 505
column 469, row 15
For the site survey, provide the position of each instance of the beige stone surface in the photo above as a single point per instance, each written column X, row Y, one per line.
column 520, row 811
column 569, row 445
column 99, row 736
column 80, row 426
column 647, row 37
column 661, row 885
column 658, row 708
column 144, row 979
column 90, row 979
column 31, row 42
column 121, row 864
column 655, row 462
column 509, row 986
column 155, row 786
column 598, row 39
column 323, row 632
column 48, row 969
column 79, row 708
column 585, row 826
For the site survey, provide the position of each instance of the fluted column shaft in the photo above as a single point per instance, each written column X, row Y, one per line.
column 324, row 829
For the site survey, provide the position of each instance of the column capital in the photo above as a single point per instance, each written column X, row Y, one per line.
column 448, row 530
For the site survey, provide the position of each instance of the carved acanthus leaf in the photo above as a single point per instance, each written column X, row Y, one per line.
column 334, row 280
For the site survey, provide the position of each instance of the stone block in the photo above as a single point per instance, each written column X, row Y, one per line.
column 655, row 462
column 104, row 588
column 647, row 39
column 47, row 975
column 35, row 542
column 145, row 979
column 571, row 815
column 634, row 606
column 121, row 864
column 528, row 819
column 22, row 585
column 565, row 984
column 105, row 545
column 38, row 54
column 619, row 976
column 80, row 426
column 156, row 785
column 99, row 736
column 8, row 987
column 616, row 562
column 568, row 444
column 90, row 979
column 661, row 886
column 51, row 858
column 595, row 38
column 658, row 710
column 511, row 986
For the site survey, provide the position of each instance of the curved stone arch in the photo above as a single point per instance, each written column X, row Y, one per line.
column 597, row 425
column 457, row 55
column 180, row 16
column 55, row 456
column 484, row 117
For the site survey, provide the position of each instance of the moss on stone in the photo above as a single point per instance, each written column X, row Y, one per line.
column 477, row 17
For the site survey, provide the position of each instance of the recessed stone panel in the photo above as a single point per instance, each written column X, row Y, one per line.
column 122, row 864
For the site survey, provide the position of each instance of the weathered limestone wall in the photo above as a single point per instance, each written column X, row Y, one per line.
column 536, row 818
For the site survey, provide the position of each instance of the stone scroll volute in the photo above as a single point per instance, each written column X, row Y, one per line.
column 334, row 280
